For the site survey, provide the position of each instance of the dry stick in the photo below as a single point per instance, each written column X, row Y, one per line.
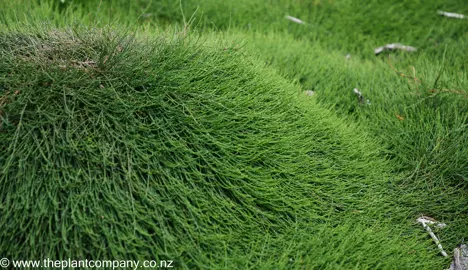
column 296, row 20
column 359, row 95
column 309, row 93
column 394, row 46
column 456, row 259
column 460, row 258
column 424, row 221
column 451, row 15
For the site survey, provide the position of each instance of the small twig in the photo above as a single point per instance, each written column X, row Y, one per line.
column 394, row 46
column 460, row 258
column 451, row 15
column 309, row 93
column 360, row 97
column 426, row 220
column 296, row 20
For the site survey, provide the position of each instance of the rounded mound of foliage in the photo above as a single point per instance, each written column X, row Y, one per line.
column 113, row 146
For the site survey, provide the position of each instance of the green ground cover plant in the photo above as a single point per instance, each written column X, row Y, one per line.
column 180, row 130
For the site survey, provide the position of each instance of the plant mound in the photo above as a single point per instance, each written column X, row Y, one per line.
column 117, row 147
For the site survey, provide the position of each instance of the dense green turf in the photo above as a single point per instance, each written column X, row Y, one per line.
column 204, row 149
column 135, row 149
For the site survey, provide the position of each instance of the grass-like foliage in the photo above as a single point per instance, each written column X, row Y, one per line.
column 180, row 130
column 114, row 146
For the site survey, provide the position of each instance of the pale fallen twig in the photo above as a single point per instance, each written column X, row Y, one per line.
column 394, row 46
column 451, row 15
column 296, row 20
column 360, row 96
column 460, row 258
column 309, row 93
column 425, row 221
